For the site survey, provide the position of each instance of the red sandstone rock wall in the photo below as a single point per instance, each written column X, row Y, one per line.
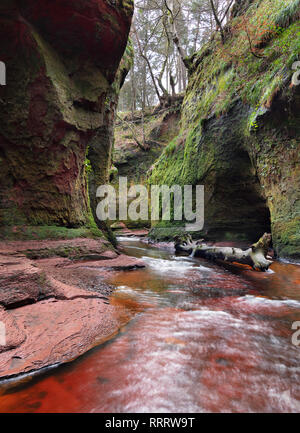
column 61, row 57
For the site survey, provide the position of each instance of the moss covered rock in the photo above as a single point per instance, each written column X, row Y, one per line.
column 240, row 128
column 130, row 160
column 62, row 58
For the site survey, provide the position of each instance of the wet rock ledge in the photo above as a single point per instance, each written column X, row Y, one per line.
column 54, row 301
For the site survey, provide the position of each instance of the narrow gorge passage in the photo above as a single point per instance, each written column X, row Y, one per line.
column 201, row 339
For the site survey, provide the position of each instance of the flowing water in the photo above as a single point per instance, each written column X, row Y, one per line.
column 202, row 338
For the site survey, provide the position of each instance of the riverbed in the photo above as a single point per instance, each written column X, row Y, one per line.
column 199, row 338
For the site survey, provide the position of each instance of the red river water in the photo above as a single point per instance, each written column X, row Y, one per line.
column 201, row 338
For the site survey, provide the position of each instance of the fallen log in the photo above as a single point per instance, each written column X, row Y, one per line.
column 256, row 256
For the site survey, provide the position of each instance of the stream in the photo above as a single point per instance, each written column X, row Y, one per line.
column 202, row 338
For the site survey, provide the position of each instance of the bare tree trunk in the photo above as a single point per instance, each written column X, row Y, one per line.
column 179, row 73
column 218, row 22
column 133, row 90
column 197, row 34
column 226, row 13
column 255, row 256
column 160, row 77
column 147, row 61
column 175, row 36
column 143, row 126
column 166, row 61
column 144, row 102
column 183, row 74
column 172, row 84
column 147, row 99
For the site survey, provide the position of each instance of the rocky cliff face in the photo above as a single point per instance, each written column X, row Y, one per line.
column 240, row 128
column 159, row 128
column 61, row 58
column 134, row 161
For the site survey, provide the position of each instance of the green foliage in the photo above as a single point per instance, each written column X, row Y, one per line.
column 88, row 167
column 230, row 77
column 288, row 13
column 218, row 83
column 165, row 231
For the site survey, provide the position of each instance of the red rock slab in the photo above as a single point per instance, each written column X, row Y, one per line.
column 20, row 281
column 23, row 281
column 121, row 263
column 119, row 226
column 128, row 232
column 67, row 315
column 13, row 339
column 55, row 332
column 91, row 246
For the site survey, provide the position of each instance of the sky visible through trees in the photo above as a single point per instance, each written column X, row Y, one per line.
column 164, row 33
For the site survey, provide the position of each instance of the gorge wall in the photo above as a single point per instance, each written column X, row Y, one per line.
column 240, row 128
column 153, row 131
column 62, row 59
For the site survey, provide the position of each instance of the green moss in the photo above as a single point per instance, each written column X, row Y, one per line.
column 287, row 238
column 48, row 232
column 165, row 232
column 124, row 67
column 216, row 85
column 230, row 134
column 92, row 227
column 71, row 252
column 127, row 5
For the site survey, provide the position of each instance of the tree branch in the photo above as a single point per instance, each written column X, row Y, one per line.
column 255, row 256
column 175, row 37
column 218, row 22
column 141, row 146
column 147, row 61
